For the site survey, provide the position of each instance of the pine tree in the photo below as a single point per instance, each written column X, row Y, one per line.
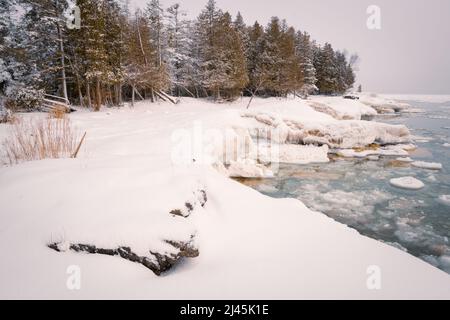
column 291, row 78
column 178, row 49
column 305, row 53
column 155, row 16
column 44, row 42
column 221, row 53
column 255, row 67
column 269, row 64
column 20, row 79
column 232, row 48
column 243, row 32
column 325, row 65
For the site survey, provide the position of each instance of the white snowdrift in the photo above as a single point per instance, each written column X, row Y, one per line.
column 121, row 190
column 410, row 183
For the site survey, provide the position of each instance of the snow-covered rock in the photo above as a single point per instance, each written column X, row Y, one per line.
column 410, row 183
column 427, row 165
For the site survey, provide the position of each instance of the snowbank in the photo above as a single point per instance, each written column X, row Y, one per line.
column 342, row 109
column 126, row 190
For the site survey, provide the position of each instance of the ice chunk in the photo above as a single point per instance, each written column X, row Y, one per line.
column 445, row 199
column 410, row 183
column 427, row 165
column 248, row 168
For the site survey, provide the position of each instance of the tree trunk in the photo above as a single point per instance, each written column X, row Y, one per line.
column 88, row 94
column 140, row 40
column 98, row 95
column 132, row 96
column 80, row 94
column 63, row 63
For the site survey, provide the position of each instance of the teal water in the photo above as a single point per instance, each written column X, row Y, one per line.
column 358, row 194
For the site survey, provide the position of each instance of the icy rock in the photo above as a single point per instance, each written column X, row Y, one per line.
column 427, row 165
column 410, row 183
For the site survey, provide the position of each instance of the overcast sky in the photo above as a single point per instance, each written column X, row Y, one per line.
column 410, row 54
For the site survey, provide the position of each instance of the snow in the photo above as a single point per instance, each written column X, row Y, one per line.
column 405, row 159
column 299, row 154
column 344, row 109
column 138, row 164
column 410, row 183
column 427, row 165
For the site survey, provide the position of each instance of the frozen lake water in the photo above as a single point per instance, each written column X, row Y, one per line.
column 357, row 192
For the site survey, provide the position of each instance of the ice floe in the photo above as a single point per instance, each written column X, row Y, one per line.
column 427, row 165
column 410, row 183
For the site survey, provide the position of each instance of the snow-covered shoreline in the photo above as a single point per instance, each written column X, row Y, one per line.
column 128, row 179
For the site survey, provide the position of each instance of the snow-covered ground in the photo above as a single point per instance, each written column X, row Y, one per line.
column 139, row 182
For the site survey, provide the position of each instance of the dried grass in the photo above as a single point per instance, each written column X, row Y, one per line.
column 40, row 139
column 59, row 112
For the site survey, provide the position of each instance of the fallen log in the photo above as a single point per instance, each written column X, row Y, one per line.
column 166, row 96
